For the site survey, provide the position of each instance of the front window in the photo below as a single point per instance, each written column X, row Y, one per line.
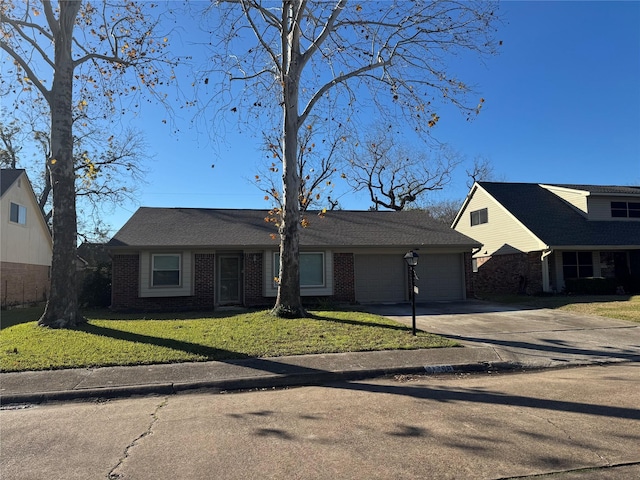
column 577, row 264
column 311, row 268
column 18, row 214
column 479, row 217
column 166, row 270
column 625, row 209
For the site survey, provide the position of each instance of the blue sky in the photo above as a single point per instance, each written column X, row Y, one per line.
column 562, row 106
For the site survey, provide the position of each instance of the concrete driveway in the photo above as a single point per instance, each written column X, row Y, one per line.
column 534, row 337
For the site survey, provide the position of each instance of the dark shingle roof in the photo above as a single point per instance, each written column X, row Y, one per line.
column 200, row 227
column 555, row 221
column 7, row 177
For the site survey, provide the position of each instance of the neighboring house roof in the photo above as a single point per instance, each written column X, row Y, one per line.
column 200, row 227
column 556, row 222
column 7, row 177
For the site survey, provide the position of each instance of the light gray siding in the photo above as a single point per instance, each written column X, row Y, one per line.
column 600, row 208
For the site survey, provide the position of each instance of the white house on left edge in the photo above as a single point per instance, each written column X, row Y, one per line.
column 26, row 246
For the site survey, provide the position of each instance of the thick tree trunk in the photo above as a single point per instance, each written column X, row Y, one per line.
column 62, row 306
column 288, row 302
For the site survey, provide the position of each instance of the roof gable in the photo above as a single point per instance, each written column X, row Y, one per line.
column 198, row 227
column 8, row 176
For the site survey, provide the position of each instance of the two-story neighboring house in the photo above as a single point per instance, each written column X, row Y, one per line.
column 25, row 242
column 536, row 237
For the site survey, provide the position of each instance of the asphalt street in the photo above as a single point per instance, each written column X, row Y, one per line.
column 573, row 423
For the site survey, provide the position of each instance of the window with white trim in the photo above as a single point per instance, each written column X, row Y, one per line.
column 165, row 270
column 625, row 209
column 18, row 214
column 479, row 217
column 312, row 271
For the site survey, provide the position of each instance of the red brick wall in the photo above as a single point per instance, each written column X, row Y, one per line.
column 253, row 279
column 204, row 280
column 344, row 278
column 23, row 283
column 515, row 273
column 126, row 275
column 468, row 275
column 125, row 280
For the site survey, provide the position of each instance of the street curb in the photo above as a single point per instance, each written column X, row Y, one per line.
column 250, row 383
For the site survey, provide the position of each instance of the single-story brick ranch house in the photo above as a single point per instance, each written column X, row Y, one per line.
column 553, row 238
column 197, row 258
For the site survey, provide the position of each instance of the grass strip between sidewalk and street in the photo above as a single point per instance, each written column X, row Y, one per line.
column 109, row 339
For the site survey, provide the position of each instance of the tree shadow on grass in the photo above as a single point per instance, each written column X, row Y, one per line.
column 16, row 316
column 358, row 323
column 210, row 353
column 268, row 365
column 105, row 314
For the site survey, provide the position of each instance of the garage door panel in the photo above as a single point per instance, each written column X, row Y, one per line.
column 440, row 277
column 384, row 278
column 380, row 278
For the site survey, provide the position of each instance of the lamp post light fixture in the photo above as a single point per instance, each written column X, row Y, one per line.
column 412, row 261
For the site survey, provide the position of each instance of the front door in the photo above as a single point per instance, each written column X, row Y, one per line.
column 229, row 279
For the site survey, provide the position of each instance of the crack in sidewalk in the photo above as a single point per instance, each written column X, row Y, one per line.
column 113, row 475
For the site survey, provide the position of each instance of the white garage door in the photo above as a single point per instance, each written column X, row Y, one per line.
column 440, row 277
column 384, row 278
column 381, row 278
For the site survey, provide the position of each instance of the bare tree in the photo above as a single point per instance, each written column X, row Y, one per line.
column 108, row 169
column 319, row 158
column 390, row 55
column 68, row 57
column 395, row 175
column 11, row 138
column 444, row 211
column 480, row 170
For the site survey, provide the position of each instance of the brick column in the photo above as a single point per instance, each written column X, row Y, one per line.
column 344, row 278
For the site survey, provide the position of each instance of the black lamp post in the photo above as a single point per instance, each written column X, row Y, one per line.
column 412, row 260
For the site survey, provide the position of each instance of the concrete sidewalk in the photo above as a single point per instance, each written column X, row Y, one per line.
column 493, row 338
column 106, row 382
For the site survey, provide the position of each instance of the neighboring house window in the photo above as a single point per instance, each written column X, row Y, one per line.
column 479, row 216
column 625, row 209
column 577, row 264
column 166, row 270
column 311, row 268
column 18, row 214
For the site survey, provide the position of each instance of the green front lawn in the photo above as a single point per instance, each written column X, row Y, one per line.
column 109, row 339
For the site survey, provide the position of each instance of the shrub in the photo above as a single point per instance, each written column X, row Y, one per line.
column 591, row 286
column 96, row 287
